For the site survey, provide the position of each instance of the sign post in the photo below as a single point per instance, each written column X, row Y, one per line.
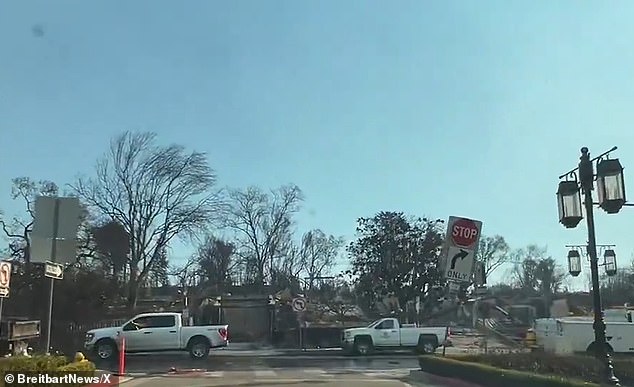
column 299, row 306
column 53, row 241
column 461, row 242
column 5, row 282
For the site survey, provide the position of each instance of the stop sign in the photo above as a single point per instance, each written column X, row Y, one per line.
column 464, row 232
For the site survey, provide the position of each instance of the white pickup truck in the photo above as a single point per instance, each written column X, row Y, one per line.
column 153, row 332
column 387, row 333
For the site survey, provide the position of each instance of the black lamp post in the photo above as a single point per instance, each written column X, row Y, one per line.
column 574, row 259
column 611, row 195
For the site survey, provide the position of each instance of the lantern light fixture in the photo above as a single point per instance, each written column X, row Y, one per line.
column 569, row 203
column 609, row 261
column 574, row 263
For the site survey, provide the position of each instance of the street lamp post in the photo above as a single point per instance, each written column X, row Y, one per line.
column 611, row 197
column 575, row 265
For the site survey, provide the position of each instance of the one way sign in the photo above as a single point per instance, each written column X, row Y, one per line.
column 459, row 264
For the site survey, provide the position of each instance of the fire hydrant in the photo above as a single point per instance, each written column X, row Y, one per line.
column 80, row 358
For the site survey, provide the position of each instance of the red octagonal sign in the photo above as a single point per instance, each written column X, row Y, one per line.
column 464, row 232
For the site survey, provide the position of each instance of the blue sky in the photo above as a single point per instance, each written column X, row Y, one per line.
column 432, row 108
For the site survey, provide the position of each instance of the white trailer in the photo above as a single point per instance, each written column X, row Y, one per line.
column 576, row 334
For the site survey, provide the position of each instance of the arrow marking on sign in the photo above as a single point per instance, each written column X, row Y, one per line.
column 461, row 255
column 54, row 270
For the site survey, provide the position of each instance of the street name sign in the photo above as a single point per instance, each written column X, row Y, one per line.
column 461, row 242
column 53, row 270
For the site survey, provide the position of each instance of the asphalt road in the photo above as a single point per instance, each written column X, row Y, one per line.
column 161, row 364
column 288, row 379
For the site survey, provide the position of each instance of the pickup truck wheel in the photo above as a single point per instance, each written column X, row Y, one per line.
column 105, row 349
column 199, row 349
column 362, row 347
column 427, row 347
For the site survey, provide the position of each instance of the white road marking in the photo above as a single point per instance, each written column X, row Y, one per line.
column 214, row 374
column 264, row 373
column 316, row 371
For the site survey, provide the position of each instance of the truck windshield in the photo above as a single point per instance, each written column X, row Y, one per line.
column 373, row 323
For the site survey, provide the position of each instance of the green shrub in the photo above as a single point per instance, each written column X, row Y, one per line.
column 45, row 364
column 35, row 363
column 576, row 366
column 85, row 367
column 492, row 376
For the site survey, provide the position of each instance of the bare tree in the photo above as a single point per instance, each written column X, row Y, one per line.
column 263, row 224
column 318, row 252
column 155, row 192
column 186, row 274
column 18, row 229
column 158, row 274
column 493, row 251
column 537, row 272
column 287, row 269
column 215, row 262
column 292, row 262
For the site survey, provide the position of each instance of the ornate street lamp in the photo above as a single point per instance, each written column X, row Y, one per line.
column 611, row 199
column 609, row 261
column 610, row 185
column 577, row 251
column 569, row 203
column 574, row 263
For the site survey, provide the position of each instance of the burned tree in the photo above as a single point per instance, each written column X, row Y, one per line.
column 156, row 193
column 263, row 223
column 318, row 253
column 494, row 252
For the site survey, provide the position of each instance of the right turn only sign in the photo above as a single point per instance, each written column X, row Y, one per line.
column 463, row 236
